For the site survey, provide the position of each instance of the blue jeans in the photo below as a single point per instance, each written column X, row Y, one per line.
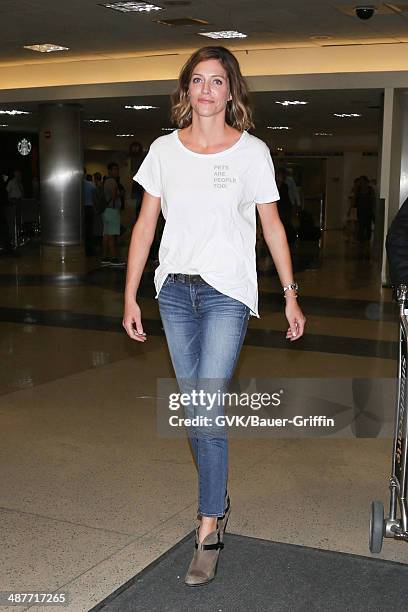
column 205, row 330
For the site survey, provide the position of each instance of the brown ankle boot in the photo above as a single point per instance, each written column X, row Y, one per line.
column 203, row 566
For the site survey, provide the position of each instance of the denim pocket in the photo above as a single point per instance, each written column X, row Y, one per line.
column 166, row 281
column 169, row 279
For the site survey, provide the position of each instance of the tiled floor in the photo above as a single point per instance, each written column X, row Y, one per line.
column 91, row 494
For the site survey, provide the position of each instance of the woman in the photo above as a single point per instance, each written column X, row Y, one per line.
column 207, row 177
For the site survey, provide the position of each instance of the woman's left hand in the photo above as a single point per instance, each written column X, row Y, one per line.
column 296, row 319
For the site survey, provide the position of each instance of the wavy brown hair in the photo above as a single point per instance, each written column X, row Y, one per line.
column 238, row 113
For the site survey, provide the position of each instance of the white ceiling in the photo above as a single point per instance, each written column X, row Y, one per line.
column 92, row 30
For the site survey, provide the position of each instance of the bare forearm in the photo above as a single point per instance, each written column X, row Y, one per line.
column 279, row 250
column 275, row 237
column 139, row 248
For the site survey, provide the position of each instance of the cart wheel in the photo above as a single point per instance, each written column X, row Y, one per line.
column 376, row 526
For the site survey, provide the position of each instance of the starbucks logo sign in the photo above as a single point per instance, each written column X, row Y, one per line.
column 24, row 147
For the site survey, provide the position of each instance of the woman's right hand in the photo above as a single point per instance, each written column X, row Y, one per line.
column 132, row 321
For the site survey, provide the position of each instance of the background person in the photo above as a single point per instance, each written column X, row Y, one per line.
column 293, row 190
column 99, row 204
column 111, row 218
column 88, row 189
column 365, row 203
column 15, row 191
column 351, row 224
column 209, row 177
column 5, row 237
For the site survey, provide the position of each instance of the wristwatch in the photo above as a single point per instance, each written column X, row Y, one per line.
column 293, row 286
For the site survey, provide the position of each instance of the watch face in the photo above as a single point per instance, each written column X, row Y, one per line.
column 402, row 291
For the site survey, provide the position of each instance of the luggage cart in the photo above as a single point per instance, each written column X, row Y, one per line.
column 396, row 525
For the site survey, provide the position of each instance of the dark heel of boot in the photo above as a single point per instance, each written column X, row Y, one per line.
column 223, row 520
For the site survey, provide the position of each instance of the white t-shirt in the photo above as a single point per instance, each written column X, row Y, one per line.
column 208, row 202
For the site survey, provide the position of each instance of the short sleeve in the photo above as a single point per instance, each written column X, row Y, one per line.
column 266, row 190
column 148, row 175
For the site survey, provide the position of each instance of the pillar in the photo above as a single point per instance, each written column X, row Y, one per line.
column 61, row 176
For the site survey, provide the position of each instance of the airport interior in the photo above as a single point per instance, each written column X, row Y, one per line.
column 97, row 502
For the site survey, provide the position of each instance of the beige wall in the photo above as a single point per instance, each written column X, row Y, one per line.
column 254, row 62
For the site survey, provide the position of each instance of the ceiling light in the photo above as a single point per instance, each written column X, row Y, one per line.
column 278, row 127
column 124, row 135
column 3, row 124
column 14, row 112
column 97, row 120
column 132, row 7
column 279, row 149
column 46, row 48
column 224, row 34
column 140, row 107
column 168, row 129
column 291, row 102
column 346, row 115
column 322, row 134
